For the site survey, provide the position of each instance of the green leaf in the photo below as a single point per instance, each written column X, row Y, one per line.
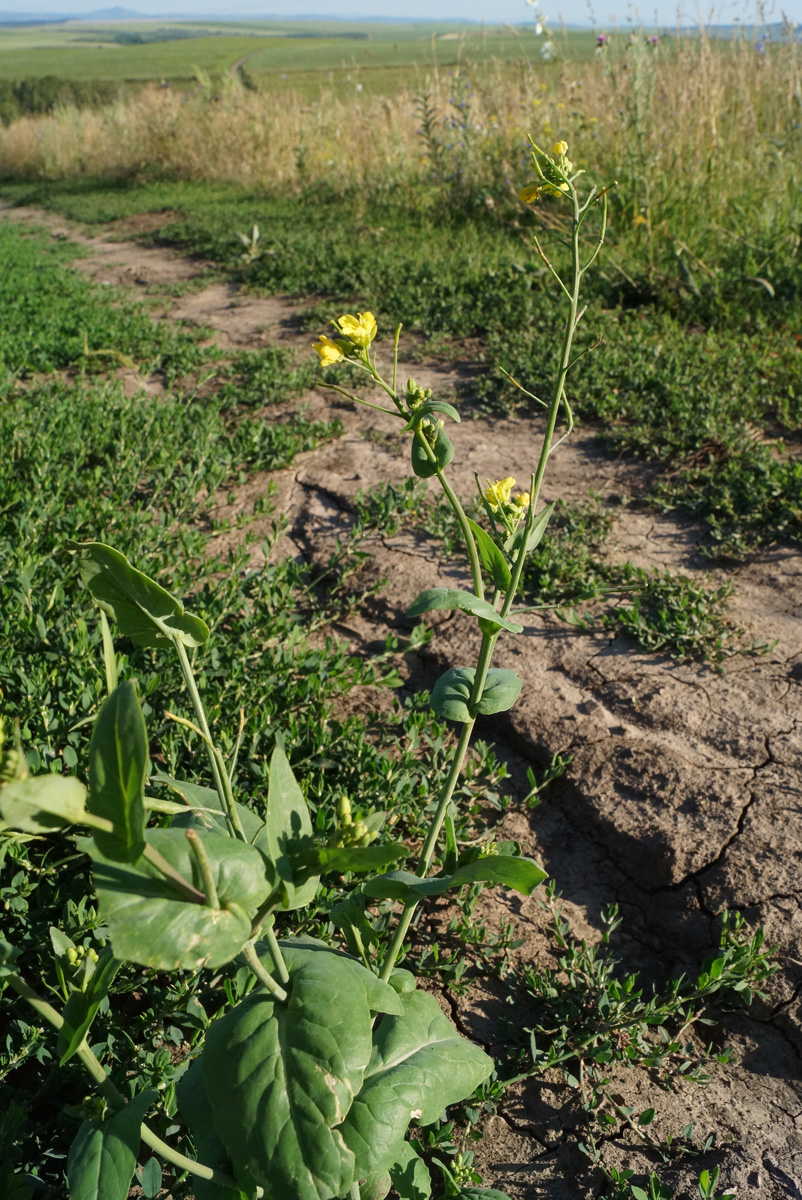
column 282, row 1077
column 352, row 858
column 479, row 1193
column 151, row 1179
column 427, row 408
column 348, row 915
column 454, row 598
column 410, row 1175
column 81, row 1008
column 492, row 558
column 42, row 803
column 443, row 449
column 102, row 1158
column 375, row 1186
column 195, row 1108
column 118, row 766
column 420, row 1064
column 502, row 688
column 152, row 924
column 288, row 824
column 519, row 873
column 513, row 543
column 452, row 692
column 380, row 996
column 198, row 797
column 143, row 610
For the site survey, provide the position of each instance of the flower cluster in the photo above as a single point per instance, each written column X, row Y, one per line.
column 501, row 502
column 554, row 174
column 357, row 334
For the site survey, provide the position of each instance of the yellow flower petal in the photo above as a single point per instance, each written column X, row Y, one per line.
column 530, row 193
column 330, row 353
column 361, row 329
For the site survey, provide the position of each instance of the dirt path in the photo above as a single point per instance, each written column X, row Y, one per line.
column 683, row 795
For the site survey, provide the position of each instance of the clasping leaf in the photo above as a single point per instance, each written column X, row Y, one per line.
column 451, row 693
column 515, row 871
column 455, row 598
column 143, row 610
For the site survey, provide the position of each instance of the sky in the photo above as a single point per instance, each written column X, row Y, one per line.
column 600, row 13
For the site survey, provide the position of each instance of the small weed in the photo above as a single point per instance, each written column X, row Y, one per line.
column 588, row 1017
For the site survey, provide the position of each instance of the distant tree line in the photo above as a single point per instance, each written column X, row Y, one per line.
column 23, row 97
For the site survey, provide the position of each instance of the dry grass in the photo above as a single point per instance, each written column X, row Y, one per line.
column 685, row 123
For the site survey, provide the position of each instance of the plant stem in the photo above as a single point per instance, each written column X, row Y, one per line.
column 467, row 533
column 205, row 867
column 429, row 846
column 275, row 953
column 110, row 1093
column 226, row 799
column 169, row 872
column 264, row 977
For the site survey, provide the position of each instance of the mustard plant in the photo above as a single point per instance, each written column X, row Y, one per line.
column 308, row 1084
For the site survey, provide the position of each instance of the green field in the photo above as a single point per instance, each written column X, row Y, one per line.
column 305, row 54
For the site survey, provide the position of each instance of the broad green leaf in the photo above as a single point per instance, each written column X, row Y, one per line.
column 82, row 1007
column 352, row 858
column 410, row 1175
column 151, row 924
column 143, row 610
column 452, row 692
column 118, row 766
column 194, row 1106
column 198, row 797
column 455, row 598
column 443, row 449
column 420, row 1064
column 379, row 996
column 492, row 558
column 513, row 543
column 431, row 406
column 502, row 688
column 282, row 1077
column 102, row 1158
column 480, row 1193
column 375, row 1186
column 288, row 826
column 521, row 874
column 42, row 803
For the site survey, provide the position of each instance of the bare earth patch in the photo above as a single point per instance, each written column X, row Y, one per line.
column 683, row 795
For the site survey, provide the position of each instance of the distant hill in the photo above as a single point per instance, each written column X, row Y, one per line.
column 114, row 14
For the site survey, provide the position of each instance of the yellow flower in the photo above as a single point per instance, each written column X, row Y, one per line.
column 361, row 329
column 522, row 499
column 329, row 351
column 559, row 149
column 530, row 193
column 498, row 493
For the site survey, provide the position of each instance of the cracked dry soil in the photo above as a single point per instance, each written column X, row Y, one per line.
column 683, row 794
